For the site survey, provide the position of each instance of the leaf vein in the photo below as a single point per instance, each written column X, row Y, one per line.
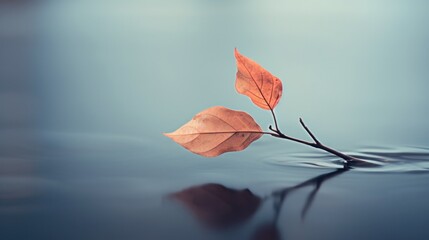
column 260, row 91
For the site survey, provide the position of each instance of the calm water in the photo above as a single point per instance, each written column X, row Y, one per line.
column 87, row 88
column 77, row 186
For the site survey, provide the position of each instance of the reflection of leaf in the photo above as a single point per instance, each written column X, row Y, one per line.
column 218, row 206
column 268, row 231
column 264, row 89
column 217, row 130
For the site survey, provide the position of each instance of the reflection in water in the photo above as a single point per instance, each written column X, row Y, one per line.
column 218, row 206
column 376, row 159
column 280, row 195
column 267, row 231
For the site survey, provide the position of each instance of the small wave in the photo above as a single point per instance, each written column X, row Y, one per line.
column 376, row 159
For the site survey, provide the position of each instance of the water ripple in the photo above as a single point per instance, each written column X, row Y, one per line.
column 377, row 159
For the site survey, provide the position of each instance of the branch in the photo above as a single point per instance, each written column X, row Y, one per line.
column 316, row 143
column 308, row 131
column 272, row 129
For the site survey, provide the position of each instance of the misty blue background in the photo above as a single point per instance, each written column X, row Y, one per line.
column 88, row 87
column 145, row 67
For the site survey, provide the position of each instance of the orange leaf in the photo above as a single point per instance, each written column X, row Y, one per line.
column 263, row 88
column 217, row 130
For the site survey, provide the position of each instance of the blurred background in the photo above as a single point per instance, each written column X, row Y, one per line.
column 145, row 67
column 88, row 86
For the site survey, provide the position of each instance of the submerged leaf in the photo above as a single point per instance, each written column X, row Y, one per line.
column 217, row 130
column 263, row 88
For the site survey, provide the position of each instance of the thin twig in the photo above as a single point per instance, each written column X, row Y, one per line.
column 317, row 144
column 277, row 133
column 281, row 135
column 272, row 129
column 308, row 131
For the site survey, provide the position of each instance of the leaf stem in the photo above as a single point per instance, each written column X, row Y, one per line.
column 275, row 119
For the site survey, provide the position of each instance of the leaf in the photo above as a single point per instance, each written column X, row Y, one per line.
column 217, row 130
column 218, row 206
column 263, row 88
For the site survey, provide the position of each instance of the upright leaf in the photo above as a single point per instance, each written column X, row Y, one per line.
column 263, row 88
column 217, row 130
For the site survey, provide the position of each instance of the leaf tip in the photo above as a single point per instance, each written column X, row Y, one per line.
column 167, row 134
column 236, row 53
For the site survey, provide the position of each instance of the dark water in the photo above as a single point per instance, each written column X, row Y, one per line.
column 87, row 88
column 77, row 186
